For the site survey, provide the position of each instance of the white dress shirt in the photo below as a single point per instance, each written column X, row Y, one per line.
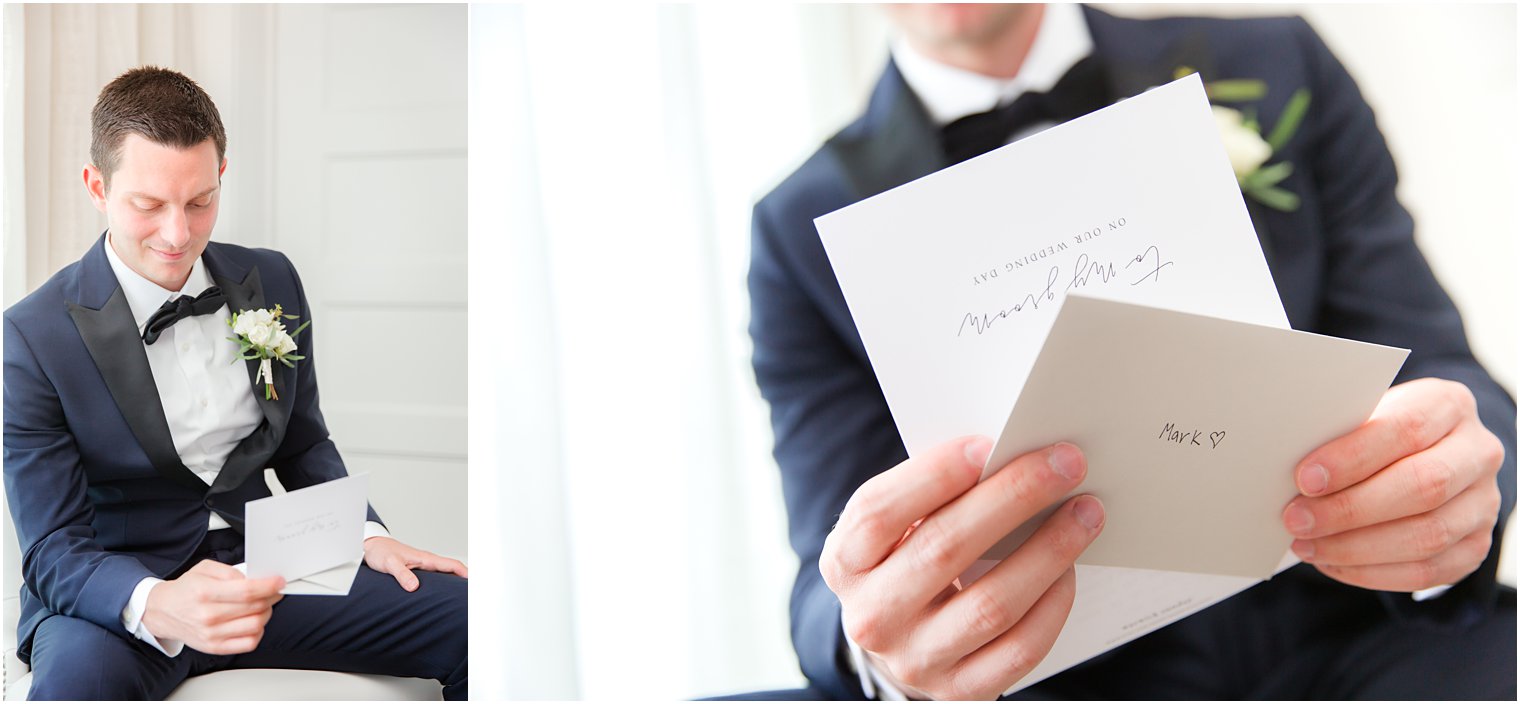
column 949, row 93
column 207, row 399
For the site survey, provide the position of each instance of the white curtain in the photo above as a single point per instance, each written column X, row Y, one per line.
column 644, row 533
column 57, row 59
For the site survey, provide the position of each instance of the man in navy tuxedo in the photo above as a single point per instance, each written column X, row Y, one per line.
column 1398, row 522
column 134, row 438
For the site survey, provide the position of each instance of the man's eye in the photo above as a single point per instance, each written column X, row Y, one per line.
column 147, row 207
column 200, row 203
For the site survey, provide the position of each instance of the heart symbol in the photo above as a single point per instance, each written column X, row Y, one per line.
column 1216, row 437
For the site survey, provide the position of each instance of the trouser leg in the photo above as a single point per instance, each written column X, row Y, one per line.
column 1397, row 660
column 379, row 628
column 1302, row 636
column 75, row 659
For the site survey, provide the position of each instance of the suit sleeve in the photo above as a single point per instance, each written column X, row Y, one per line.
column 46, row 487
column 1379, row 288
column 833, row 431
column 307, row 456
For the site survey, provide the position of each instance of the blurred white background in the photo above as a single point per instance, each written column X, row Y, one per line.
column 622, row 452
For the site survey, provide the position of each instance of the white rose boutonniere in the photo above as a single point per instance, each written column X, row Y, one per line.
column 1249, row 150
column 261, row 335
column 1245, row 147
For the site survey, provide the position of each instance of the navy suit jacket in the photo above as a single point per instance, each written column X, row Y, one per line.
column 1345, row 264
column 97, row 492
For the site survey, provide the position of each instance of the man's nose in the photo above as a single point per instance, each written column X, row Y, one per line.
column 176, row 231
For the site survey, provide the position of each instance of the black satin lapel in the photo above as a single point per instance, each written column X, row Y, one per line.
column 229, row 501
column 253, row 453
column 110, row 335
column 247, row 294
column 903, row 146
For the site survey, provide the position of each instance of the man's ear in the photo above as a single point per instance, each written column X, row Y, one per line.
column 222, row 171
column 95, row 185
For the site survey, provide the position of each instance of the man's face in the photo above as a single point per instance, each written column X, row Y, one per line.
column 161, row 206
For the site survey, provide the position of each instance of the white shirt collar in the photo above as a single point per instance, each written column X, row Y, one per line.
column 950, row 93
column 145, row 297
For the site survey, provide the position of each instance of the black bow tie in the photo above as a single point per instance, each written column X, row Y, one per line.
column 1082, row 90
column 180, row 308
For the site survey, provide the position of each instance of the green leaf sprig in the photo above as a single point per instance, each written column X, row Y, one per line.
column 272, row 349
column 1262, row 184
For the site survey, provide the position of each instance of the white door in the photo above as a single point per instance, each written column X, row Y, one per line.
column 368, row 186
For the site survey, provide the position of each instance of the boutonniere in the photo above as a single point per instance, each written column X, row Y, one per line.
column 261, row 335
column 1248, row 149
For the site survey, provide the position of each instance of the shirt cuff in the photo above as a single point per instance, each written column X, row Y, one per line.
column 131, row 618
column 375, row 530
column 872, row 683
column 1431, row 593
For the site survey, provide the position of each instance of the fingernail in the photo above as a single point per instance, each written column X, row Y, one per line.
column 1298, row 519
column 1304, row 549
column 978, row 449
column 1089, row 512
column 1313, row 480
column 1066, row 460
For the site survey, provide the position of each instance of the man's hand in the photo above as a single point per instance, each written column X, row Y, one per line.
column 1408, row 501
column 212, row 608
column 397, row 559
column 906, row 535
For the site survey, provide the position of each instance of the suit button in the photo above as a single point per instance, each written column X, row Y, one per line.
column 208, row 503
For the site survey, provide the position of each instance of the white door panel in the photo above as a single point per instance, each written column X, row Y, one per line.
column 369, row 191
column 393, row 491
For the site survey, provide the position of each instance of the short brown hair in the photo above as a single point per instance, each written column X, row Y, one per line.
column 163, row 106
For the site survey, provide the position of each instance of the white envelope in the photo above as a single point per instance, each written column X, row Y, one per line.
column 1191, row 426
column 334, row 582
column 313, row 537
